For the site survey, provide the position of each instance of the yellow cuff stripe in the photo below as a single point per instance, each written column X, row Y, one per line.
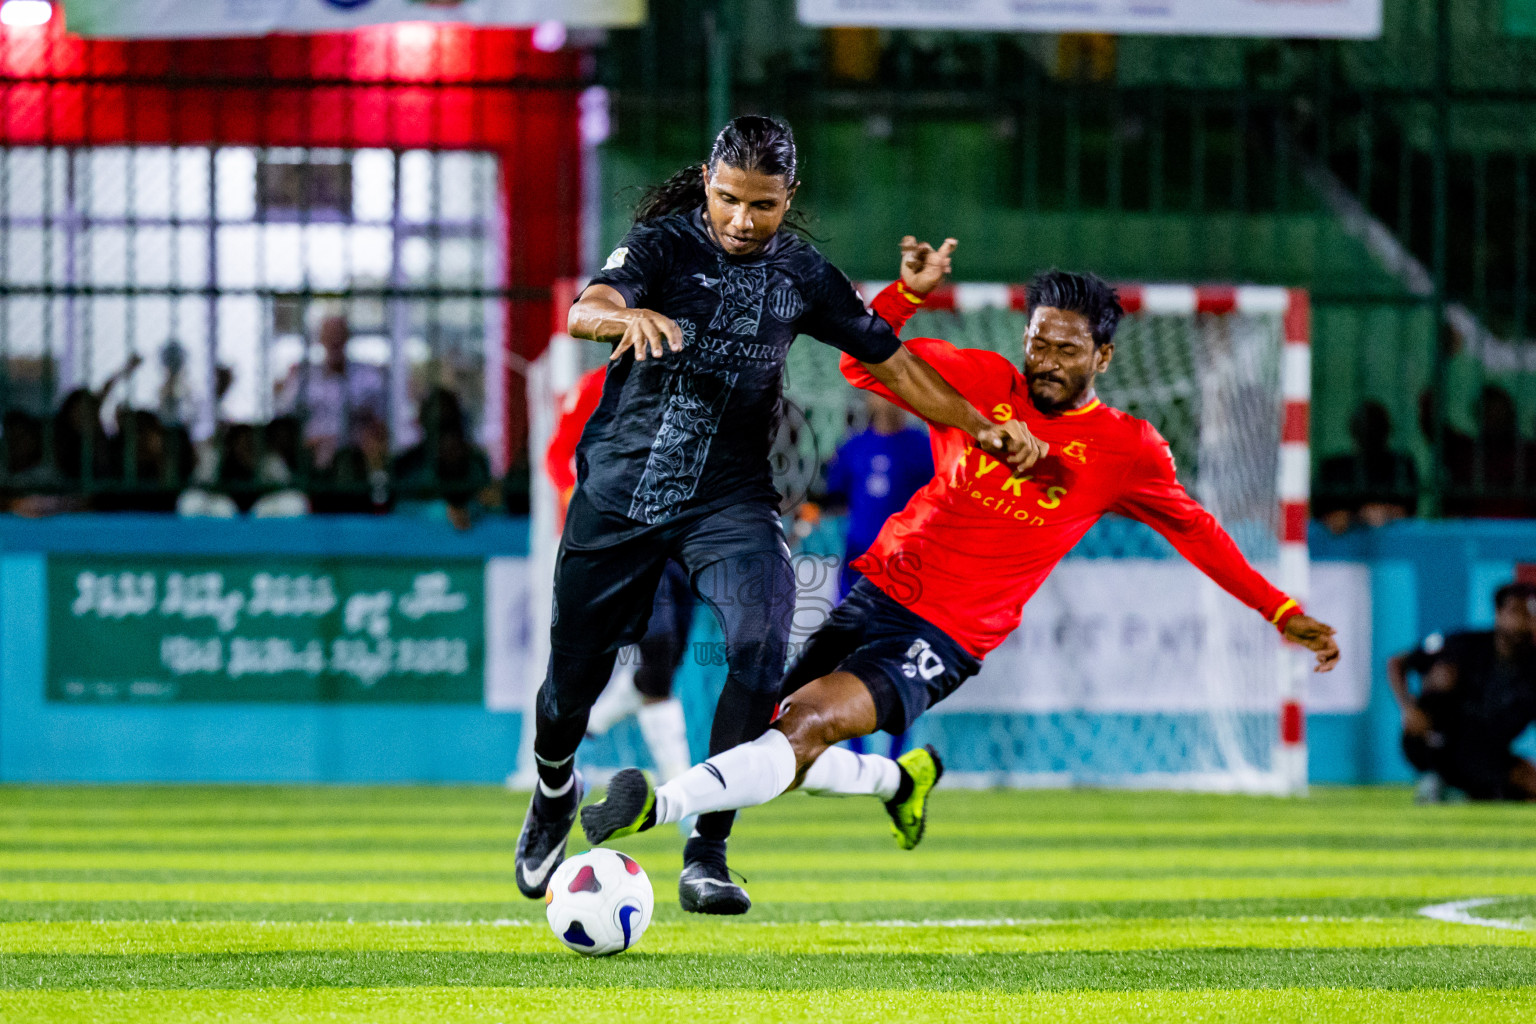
column 908, row 294
column 1290, row 602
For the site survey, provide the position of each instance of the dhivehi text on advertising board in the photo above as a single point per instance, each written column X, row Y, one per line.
column 156, row 629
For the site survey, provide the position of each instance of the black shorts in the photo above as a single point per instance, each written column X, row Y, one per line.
column 907, row 662
column 609, row 568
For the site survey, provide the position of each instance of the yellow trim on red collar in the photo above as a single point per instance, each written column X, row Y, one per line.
column 1085, row 409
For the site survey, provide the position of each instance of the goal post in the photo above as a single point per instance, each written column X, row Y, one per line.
column 1130, row 667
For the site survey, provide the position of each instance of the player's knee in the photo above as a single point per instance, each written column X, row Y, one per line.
column 757, row 665
column 810, row 731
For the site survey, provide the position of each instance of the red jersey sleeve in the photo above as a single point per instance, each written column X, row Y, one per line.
column 1153, row 495
column 895, row 305
column 576, row 407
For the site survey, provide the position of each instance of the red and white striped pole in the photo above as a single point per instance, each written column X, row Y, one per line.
column 1294, row 486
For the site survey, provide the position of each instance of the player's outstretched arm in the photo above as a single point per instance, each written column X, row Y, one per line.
column 1316, row 637
column 602, row 315
column 921, row 389
column 1153, row 495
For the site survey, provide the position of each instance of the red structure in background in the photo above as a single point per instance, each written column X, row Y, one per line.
column 412, row 85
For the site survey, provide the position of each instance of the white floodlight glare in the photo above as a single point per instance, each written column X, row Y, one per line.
column 25, row 13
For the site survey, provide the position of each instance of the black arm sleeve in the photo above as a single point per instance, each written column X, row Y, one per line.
column 638, row 266
column 837, row 316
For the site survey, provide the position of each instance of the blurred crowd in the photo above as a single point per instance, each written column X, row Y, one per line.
column 1490, row 474
column 326, row 451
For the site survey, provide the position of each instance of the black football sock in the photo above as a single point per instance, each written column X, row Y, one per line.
column 561, row 709
column 699, row 850
column 904, row 787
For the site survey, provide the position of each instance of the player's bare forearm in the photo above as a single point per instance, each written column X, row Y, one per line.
column 921, row 388
column 602, row 315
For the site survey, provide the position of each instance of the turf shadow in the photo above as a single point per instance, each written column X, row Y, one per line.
column 1394, row 968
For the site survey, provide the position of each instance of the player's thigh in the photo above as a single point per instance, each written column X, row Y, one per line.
column 836, row 638
column 666, row 635
column 738, row 562
column 826, row 711
column 605, row 582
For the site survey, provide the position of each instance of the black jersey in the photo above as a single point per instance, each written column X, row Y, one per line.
column 1494, row 697
column 694, row 428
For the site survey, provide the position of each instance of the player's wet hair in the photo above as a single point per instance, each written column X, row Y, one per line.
column 751, row 142
column 1085, row 294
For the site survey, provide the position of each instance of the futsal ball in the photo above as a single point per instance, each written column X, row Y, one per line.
column 599, row 902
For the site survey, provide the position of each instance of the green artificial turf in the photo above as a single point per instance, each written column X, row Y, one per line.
column 399, row 905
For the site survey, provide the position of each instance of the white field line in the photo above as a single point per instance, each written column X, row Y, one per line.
column 1456, row 913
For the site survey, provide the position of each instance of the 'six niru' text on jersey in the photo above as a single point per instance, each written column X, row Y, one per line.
column 975, row 544
column 694, row 428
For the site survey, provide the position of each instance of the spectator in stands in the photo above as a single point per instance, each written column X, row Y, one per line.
column 1477, row 694
column 341, row 403
column 24, row 467
column 1456, row 451
column 251, row 475
column 1503, row 471
column 1373, row 485
column 446, row 463
column 150, row 461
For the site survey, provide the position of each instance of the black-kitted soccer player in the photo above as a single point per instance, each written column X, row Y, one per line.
column 701, row 302
column 1477, row 694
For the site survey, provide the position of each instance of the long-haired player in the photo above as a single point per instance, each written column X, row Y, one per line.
column 701, row 302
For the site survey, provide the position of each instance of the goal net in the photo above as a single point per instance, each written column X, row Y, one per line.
column 1130, row 667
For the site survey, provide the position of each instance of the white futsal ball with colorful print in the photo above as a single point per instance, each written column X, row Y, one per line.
column 599, row 902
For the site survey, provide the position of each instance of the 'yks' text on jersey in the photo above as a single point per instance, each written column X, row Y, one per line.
column 694, row 428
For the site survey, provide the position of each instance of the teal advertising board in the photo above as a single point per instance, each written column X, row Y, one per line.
column 163, row 629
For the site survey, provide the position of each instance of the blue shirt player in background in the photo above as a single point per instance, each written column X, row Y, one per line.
column 876, row 471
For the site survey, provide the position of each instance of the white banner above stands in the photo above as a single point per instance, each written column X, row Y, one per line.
column 1322, row 19
column 162, row 19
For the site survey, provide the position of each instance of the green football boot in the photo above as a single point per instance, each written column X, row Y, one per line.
column 628, row 807
column 909, row 816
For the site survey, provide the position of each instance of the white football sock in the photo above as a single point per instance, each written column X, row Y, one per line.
column 619, row 698
column 666, row 735
column 744, row 776
column 841, row 772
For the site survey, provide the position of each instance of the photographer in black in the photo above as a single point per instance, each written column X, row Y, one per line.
column 1477, row 693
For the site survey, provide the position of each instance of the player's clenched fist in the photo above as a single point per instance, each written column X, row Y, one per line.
column 1019, row 447
column 648, row 334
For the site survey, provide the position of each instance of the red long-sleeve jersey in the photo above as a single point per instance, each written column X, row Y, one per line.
column 576, row 407
column 975, row 543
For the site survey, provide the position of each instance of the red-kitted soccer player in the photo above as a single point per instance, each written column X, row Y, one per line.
column 947, row 578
